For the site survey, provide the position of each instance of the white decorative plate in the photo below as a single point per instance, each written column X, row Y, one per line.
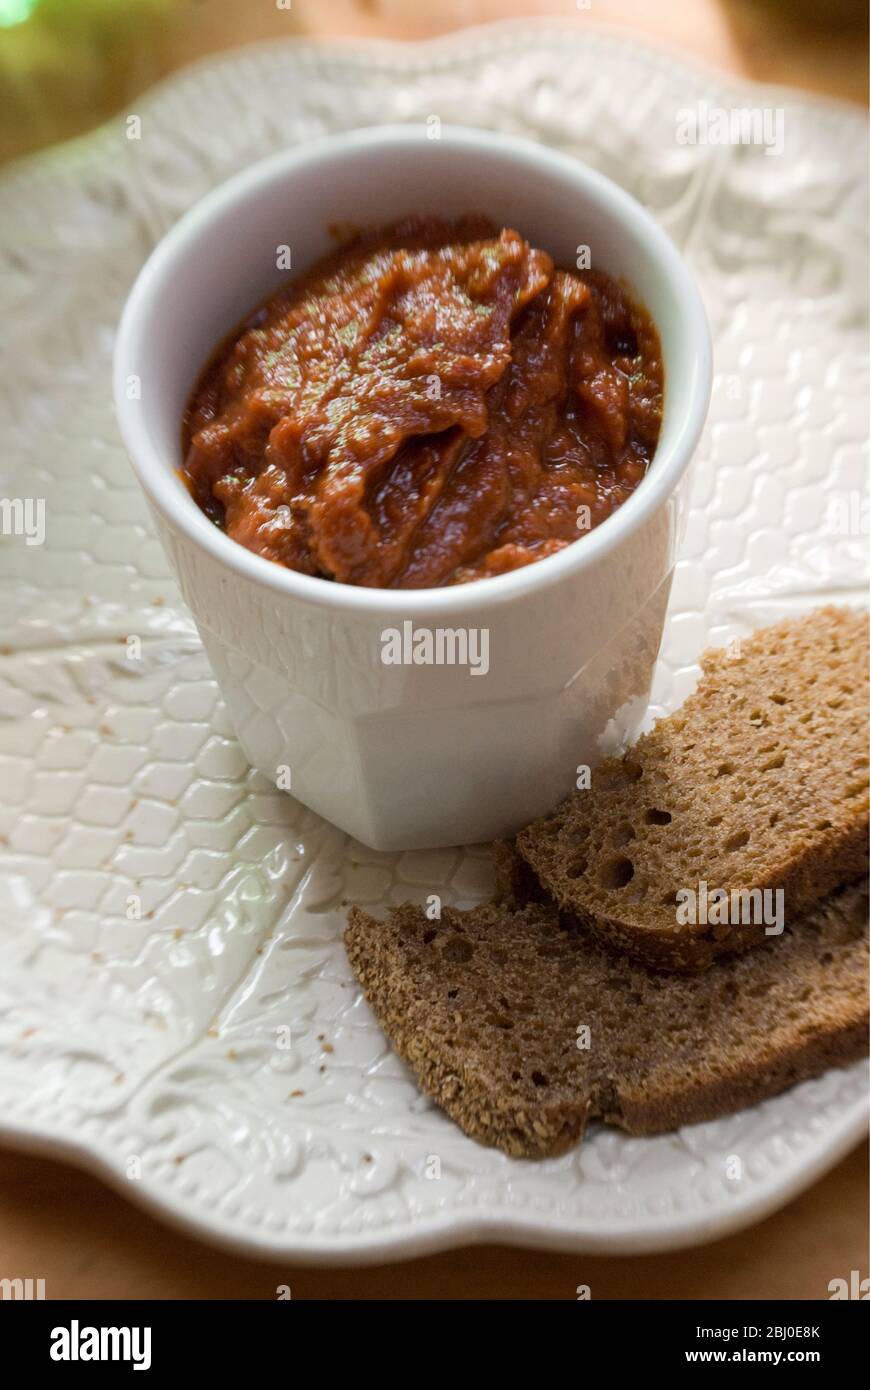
column 150, row 1050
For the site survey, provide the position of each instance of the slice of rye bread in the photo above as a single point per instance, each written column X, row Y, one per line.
column 485, row 1007
column 759, row 781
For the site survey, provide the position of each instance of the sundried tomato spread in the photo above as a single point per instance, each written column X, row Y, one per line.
column 433, row 403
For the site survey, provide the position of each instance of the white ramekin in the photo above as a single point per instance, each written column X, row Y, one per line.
column 404, row 756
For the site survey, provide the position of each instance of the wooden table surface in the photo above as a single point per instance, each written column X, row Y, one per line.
column 84, row 1239
column 88, row 1242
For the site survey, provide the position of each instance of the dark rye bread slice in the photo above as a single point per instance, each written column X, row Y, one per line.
column 758, row 781
column 516, row 883
column 484, row 1007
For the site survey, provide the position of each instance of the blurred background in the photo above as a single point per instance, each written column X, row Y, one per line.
column 68, row 65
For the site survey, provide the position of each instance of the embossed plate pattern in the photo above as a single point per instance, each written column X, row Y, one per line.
column 149, row 1049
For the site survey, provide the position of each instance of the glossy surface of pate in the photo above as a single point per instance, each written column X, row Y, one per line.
column 433, row 403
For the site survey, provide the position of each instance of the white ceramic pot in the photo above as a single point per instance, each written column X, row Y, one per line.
column 409, row 756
